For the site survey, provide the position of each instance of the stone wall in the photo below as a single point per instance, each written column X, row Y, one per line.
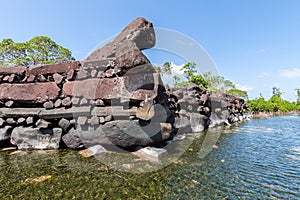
column 198, row 109
column 114, row 97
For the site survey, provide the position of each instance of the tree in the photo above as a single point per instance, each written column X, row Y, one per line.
column 167, row 68
column 38, row 50
column 208, row 81
column 238, row 93
column 189, row 69
column 298, row 95
column 12, row 53
column 276, row 91
column 199, row 80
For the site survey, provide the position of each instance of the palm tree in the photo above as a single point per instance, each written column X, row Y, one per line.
column 167, row 68
column 298, row 94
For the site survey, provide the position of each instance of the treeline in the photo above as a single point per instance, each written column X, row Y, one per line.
column 274, row 104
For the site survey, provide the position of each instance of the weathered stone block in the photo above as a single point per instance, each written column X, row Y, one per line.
column 83, row 102
column 66, row 102
column 75, row 101
column 41, row 123
column 10, row 121
column 9, row 103
column 166, row 130
column 31, row 92
column 94, row 120
column 137, row 87
column 29, row 120
column 12, row 70
column 64, row 124
column 81, row 120
column 1, row 122
column 198, row 122
column 4, row 133
column 48, row 105
column 57, row 103
column 72, row 139
column 21, row 120
column 27, row 138
column 51, row 69
column 57, row 78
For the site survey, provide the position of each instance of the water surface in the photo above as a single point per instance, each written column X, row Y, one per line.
column 259, row 159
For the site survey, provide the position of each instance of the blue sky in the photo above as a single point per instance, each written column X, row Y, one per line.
column 254, row 43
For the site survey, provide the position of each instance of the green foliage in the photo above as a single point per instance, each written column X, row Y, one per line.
column 38, row 50
column 238, row 93
column 217, row 83
column 275, row 103
column 208, row 81
column 167, row 68
column 189, row 69
column 199, row 80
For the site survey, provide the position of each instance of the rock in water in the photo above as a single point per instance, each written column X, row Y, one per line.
column 151, row 153
column 93, row 151
column 72, row 139
column 27, row 138
column 4, row 133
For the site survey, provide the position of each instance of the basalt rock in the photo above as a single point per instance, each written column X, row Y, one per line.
column 138, row 34
column 31, row 92
column 5, row 134
column 26, row 138
column 113, row 97
column 199, row 109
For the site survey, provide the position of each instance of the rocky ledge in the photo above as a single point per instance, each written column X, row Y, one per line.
column 114, row 97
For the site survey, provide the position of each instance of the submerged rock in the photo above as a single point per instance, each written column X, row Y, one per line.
column 93, row 151
column 151, row 153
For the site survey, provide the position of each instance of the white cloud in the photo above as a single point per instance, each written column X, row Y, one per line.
column 244, row 87
column 290, row 73
column 263, row 74
column 176, row 68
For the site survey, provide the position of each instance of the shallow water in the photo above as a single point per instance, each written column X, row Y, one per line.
column 259, row 159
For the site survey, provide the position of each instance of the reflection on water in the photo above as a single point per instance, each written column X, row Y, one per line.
column 259, row 159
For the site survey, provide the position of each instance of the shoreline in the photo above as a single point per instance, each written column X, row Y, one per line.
column 266, row 114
